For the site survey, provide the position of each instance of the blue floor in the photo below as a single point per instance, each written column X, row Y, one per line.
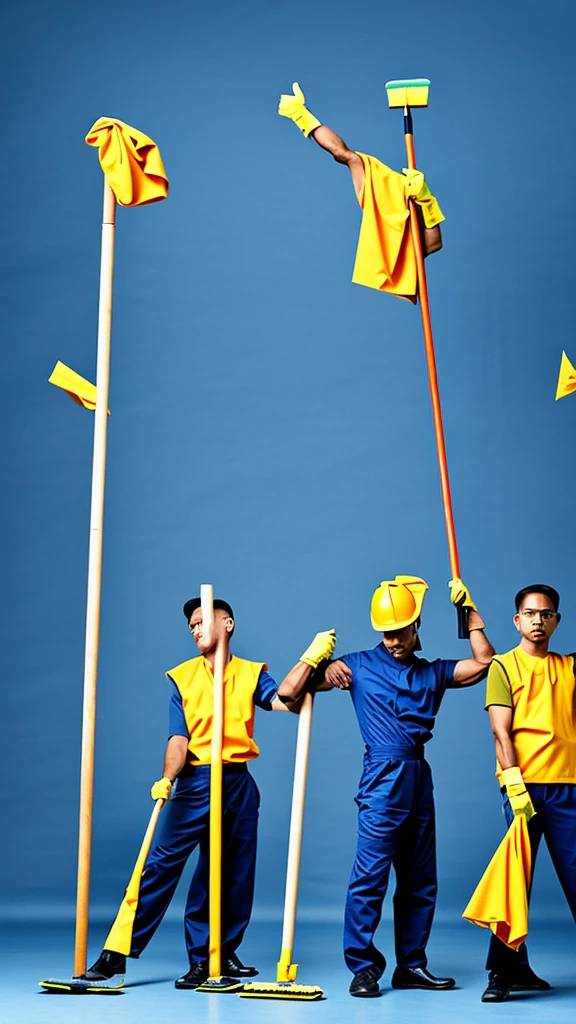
column 31, row 952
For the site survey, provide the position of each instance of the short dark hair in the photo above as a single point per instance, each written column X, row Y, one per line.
column 538, row 588
column 195, row 602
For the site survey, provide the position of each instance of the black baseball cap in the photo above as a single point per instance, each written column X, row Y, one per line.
column 195, row 603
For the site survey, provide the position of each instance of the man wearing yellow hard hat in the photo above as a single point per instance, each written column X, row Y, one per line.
column 396, row 696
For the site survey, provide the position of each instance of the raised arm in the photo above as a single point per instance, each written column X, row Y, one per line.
column 294, row 108
column 471, row 670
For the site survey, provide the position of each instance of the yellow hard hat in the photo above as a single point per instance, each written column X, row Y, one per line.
column 397, row 603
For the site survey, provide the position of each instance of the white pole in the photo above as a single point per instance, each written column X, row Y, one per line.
column 94, row 579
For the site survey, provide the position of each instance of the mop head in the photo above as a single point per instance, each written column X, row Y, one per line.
column 78, row 987
column 408, row 92
column 280, row 990
column 221, row 985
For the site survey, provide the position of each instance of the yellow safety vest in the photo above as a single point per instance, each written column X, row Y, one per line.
column 544, row 726
column 195, row 683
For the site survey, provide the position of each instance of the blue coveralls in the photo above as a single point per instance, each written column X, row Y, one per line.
column 396, row 704
column 184, row 826
column 555, row 820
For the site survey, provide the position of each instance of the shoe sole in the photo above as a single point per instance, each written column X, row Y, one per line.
column 425, row 988
column 365, row 995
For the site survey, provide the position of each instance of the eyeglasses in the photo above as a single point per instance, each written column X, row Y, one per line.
column 545, row 614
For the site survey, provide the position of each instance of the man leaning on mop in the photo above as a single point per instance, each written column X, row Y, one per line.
column 185, row 818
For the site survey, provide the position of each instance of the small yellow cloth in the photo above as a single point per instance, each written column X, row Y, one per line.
column 500, row 900
column 131, row 162
column 566, row 378
column 385, row 257
column 80, row 390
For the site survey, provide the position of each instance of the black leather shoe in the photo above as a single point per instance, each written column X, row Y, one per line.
column 419, row 977
column 197, row 975
column 365, row 983
column 106, row 966
column 527, row 981
column 498, row 988
column 232, row 967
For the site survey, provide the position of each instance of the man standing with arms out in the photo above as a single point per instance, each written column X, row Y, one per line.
column 530, row 696
column 396, row 696
column 185, row 819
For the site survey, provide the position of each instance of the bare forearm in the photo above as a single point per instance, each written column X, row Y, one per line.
column 482, row 649
column 505, row 751
column 293, row 686
column 175, row 756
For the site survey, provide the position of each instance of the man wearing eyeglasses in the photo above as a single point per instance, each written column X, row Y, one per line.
column 184, row 822
column 530, row 696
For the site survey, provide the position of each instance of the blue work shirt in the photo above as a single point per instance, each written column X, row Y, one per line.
column 396, row 702
column 266, row 690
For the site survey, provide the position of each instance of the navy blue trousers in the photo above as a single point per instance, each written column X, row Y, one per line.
column 555, row 820
column 184, row 825
column 396, row 826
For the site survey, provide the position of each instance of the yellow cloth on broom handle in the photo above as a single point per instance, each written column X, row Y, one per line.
column 130, row 160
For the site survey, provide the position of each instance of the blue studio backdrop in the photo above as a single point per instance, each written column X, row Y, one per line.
column 271, row 429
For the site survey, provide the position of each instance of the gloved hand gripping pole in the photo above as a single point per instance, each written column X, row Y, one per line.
column 400, row 94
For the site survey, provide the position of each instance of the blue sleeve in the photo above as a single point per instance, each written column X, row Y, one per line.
column 348, row 659
column 266, row 690
column 176, row 720
column 444, row 671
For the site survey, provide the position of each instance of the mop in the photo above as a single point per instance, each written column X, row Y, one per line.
column 215, row 981
column 120, row 935
column 285, row 986
column 409, row 93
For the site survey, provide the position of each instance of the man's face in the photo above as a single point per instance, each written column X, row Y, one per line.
column 536, row 619
column 223, row 627
column 401, row 642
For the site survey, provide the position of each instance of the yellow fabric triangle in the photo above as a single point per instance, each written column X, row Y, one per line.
column 500, row 900
column 131, row 162
column 566, row 378
column 119, row 937
column 80, row 390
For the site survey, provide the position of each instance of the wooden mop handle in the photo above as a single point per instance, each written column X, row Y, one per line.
column 287, row 970
column 215, row 875
column 433, row 379
column 94, row 580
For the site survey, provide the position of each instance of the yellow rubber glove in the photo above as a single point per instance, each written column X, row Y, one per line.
column 293, row 107
column 460, row 595
column 161, row 789
column 417, row 188
column 321, row 647
column 517, row 793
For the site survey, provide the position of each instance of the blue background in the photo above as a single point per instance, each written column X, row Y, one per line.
column 271, row 429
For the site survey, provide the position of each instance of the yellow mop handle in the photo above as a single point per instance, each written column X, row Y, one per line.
column 286, row 970
column 215, row 878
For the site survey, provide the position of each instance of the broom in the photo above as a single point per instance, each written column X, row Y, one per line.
column 285, row 986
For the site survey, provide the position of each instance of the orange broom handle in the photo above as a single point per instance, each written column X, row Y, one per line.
column 433, row 378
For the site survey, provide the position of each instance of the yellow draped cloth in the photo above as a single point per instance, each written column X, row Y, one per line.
column 385, row 257
column 131, row 162
column 80, row 390
column 500, row 901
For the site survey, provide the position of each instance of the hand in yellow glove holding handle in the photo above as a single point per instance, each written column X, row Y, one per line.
column 517, row 793
column 322, row 647
column 161, row 790
column 294, row 108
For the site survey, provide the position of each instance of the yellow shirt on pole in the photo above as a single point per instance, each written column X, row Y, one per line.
column 542, row 694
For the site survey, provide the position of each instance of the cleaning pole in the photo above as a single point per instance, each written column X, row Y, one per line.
column 285, row 987
column 215, row 981
column 119, row 938
column 407, row 93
